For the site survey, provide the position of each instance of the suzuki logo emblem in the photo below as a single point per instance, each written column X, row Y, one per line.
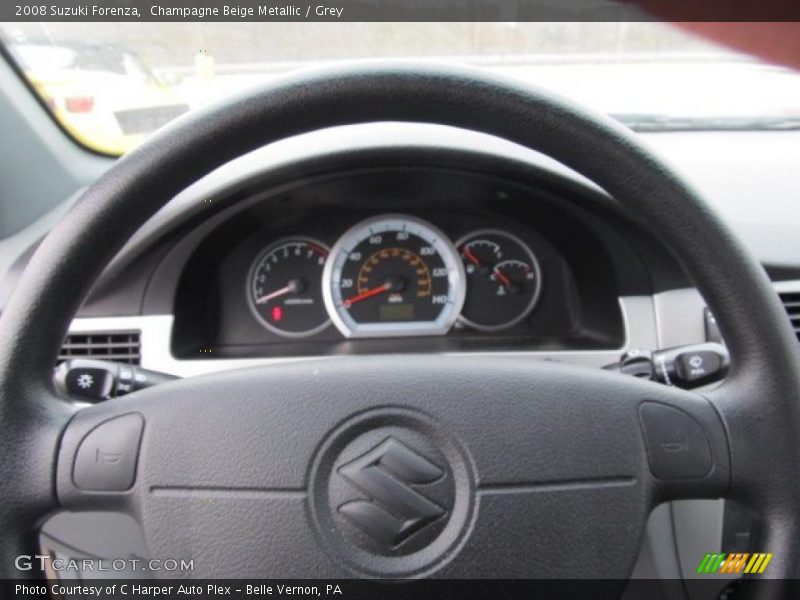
column 389, row 474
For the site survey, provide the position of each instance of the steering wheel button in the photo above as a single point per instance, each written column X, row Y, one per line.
column 677, row 447
column 107, row 455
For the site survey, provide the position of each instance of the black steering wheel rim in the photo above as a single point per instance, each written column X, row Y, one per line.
column 758, row 402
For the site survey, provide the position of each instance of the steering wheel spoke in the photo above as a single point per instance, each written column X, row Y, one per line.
column 99, row 457
column 760, row 448
column 31, row 421
column 686, row 445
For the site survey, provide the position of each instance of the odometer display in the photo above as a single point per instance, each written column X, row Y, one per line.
column 393, row 275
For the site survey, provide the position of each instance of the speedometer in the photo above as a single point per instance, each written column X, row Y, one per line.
column 393, row 275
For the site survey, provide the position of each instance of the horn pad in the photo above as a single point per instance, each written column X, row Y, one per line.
column 390, row 494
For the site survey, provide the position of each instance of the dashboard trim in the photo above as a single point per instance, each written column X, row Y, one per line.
column 664, row 319
column 638, row 313
column 787, row 286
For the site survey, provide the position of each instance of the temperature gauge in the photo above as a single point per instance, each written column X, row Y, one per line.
column 503, row 279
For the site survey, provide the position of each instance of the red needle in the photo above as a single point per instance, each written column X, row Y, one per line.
column 368, row 294
column 502, row 277
column 474, row 259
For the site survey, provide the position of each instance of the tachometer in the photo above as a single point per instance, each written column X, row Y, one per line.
column 285, row 287
column 393, row 275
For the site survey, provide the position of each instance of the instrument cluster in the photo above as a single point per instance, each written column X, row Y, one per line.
column 394, row 275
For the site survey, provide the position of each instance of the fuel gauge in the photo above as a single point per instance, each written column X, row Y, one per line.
column 503, row 279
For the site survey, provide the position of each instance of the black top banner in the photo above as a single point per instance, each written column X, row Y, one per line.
column 398, row 10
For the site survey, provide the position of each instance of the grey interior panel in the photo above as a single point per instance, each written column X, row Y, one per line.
column 43, row 166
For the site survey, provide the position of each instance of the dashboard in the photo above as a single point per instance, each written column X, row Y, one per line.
column 397, row 275
column 396, row 259
column 583, row 279
column 394, row 275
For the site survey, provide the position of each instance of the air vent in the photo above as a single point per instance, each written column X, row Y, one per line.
column 120, row 346
column 791, row 302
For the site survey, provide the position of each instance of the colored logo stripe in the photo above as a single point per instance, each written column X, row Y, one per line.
column 710, row 563
column 734, row 563
column 758, row 563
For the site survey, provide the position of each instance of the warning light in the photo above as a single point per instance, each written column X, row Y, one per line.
column 277, row 313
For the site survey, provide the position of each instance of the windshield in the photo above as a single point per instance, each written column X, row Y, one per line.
column 113, row 84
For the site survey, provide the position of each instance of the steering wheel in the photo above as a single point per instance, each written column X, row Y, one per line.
column 410, row 466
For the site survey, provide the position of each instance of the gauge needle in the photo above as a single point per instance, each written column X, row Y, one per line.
column 276, row 294
column 293, row 287
column 368, row 294
column 472, row 258
column 502, row 277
